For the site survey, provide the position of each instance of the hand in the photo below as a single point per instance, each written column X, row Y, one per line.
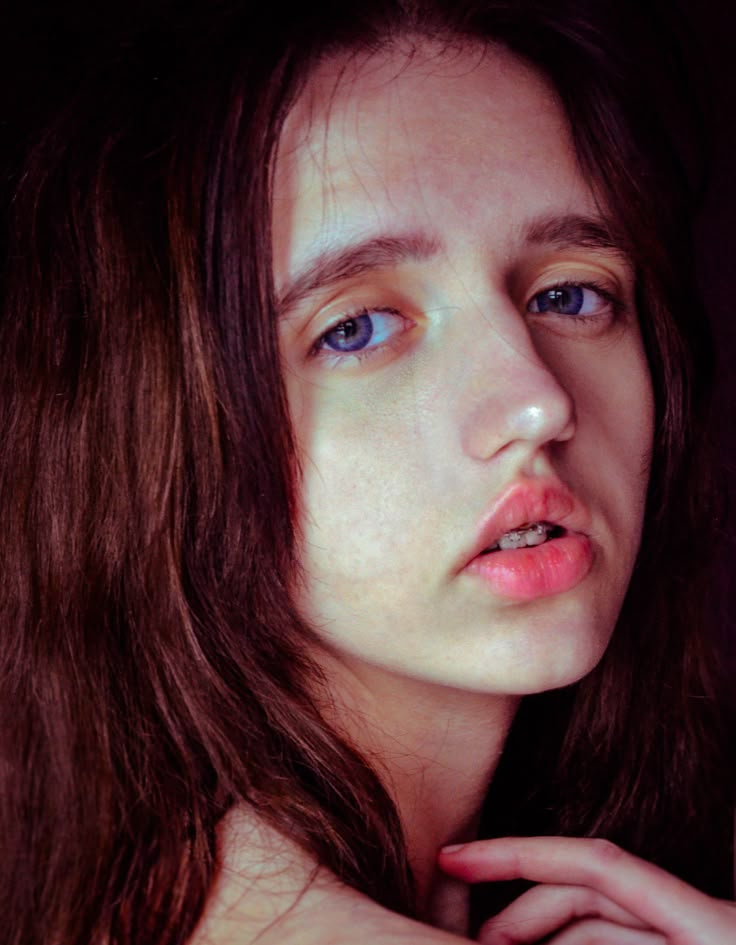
column 592, row 891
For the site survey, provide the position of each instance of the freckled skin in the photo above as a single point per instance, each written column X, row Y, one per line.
column 406, row 448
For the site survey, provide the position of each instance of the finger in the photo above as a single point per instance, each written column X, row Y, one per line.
column 602, row 933
column 543, row 909
column 655, row 896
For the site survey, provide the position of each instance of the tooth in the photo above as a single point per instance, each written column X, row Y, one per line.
column 530, row 535
column 511, row 540
column 536, row 535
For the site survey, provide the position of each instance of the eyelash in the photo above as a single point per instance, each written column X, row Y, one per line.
column 320, row 349
column 617, row 306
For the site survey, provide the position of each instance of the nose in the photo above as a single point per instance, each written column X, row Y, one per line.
column 514, row 395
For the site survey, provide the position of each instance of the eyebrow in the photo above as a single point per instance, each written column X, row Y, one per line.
column 382, row 252
column 338, row 265
column 573, row 230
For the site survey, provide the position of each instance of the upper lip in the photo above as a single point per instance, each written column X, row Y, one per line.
column 525, row 502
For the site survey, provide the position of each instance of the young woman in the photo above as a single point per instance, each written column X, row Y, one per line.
column 356, row 496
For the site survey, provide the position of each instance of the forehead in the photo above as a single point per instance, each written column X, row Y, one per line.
column 445, row 141
column 356, row 90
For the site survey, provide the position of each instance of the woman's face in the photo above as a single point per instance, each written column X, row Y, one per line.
column 462, row 360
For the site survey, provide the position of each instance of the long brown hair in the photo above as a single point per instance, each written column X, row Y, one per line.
column 154, row 670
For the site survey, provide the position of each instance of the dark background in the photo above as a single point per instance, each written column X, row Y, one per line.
column 43, row 49
column 714, row 25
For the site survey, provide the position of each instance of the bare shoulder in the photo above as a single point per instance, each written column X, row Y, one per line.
column 269, row 892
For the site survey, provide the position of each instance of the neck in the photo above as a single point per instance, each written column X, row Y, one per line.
column 437, row 750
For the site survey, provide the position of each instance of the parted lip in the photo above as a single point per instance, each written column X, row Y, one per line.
column 524, row 502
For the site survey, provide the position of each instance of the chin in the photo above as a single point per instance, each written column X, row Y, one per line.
column 567, row 665
column 542, row 657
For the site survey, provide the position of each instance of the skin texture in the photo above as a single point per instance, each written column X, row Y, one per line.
column 459, row 162
column 408, row 443
column 590, row 890
column 464, row 390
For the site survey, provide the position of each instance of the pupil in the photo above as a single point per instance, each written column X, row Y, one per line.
column 349, row 330
column 351, row 335
column 567, row 299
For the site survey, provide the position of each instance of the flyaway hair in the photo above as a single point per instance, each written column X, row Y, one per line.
column 154, row 670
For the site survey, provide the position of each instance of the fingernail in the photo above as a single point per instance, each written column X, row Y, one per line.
column 453, row 848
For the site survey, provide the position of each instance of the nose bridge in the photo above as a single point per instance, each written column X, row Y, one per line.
column 512, row 394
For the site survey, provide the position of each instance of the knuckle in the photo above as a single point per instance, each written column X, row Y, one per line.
column 606, row 853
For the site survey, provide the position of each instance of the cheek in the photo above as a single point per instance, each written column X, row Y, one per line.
column 356, row 507
column 629, row 419
column 617, row 411
column 359, row 553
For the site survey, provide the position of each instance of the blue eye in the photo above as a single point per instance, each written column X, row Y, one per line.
column 368, row 329
column 572, row 299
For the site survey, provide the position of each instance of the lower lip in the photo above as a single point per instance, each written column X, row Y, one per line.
column 558, row 565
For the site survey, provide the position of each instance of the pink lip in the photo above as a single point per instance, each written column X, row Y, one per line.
column 525, row 574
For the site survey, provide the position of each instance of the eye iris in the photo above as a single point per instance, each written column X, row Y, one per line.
column 350, row 335
column 568, row 300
